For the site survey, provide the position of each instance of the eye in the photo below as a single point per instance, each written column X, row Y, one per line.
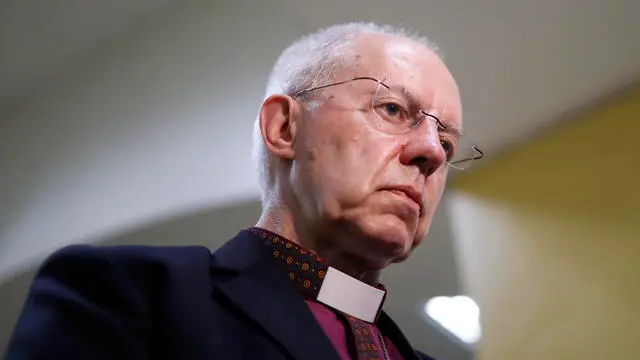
column 392, row 109
column 449, row 148
column 393, row 113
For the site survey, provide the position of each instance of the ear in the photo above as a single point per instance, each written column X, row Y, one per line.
column 278, row 125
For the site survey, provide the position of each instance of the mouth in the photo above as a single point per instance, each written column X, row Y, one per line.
column 409, row 193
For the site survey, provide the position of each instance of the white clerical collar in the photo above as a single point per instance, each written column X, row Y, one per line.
column 351, row 296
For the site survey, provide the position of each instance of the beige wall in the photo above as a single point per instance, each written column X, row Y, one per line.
column 549, row 238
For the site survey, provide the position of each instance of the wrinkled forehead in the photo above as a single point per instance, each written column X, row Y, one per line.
column 412, row 68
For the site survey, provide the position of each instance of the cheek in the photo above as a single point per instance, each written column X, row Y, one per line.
column 342, row 165
column 359, row 164
column 434, row 188
column 345, row 173
column 320, row 170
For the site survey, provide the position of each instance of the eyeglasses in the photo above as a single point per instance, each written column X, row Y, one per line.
column 398, row 113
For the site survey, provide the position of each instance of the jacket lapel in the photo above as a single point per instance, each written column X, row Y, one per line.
column 261, row 290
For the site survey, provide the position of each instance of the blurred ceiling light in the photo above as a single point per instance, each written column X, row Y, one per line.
column 459, row 315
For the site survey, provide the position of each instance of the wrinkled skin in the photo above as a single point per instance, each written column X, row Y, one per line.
column 332, row 169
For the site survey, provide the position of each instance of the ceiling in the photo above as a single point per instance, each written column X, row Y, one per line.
column 521, row 65
column 39, row 38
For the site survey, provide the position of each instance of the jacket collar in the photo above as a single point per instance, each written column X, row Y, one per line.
column 259, row 288
column 262, row 291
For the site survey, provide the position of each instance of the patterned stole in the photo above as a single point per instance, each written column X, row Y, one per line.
column 307, row 271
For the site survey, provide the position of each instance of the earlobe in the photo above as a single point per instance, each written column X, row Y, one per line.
column 278, row 117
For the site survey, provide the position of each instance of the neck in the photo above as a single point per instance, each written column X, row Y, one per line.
column 281, row 220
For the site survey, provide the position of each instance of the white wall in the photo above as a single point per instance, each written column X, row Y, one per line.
column 136, row 132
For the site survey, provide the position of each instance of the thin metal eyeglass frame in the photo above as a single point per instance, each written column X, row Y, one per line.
column 478, row 156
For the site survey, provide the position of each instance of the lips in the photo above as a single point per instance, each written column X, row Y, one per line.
column 409, row 192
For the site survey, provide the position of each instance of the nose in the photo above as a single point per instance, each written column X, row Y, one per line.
column 424, row 151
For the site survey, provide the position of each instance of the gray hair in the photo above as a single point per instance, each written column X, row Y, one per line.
column 312, row 61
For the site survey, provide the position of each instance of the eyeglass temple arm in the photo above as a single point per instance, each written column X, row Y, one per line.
column 478, row 156
column 334, row 84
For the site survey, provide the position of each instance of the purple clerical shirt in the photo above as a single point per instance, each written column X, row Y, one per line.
column 336, row 331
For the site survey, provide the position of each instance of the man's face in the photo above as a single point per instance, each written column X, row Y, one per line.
column 352, row 178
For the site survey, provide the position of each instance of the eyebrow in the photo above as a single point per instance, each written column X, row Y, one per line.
column 449, row 129
column 406, row 93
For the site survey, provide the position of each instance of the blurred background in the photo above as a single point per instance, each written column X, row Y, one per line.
column 129, row 122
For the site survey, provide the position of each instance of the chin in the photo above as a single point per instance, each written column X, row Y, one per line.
column 387, row 237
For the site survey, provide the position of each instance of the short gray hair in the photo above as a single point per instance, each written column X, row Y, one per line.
column 312, row 61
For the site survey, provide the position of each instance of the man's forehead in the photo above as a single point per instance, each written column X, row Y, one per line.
column 378, row 50
column 411, row 69
column 401, row 61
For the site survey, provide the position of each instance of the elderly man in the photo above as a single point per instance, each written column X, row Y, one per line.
column 354, row 140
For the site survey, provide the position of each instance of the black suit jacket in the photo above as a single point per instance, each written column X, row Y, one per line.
column 171, row 303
